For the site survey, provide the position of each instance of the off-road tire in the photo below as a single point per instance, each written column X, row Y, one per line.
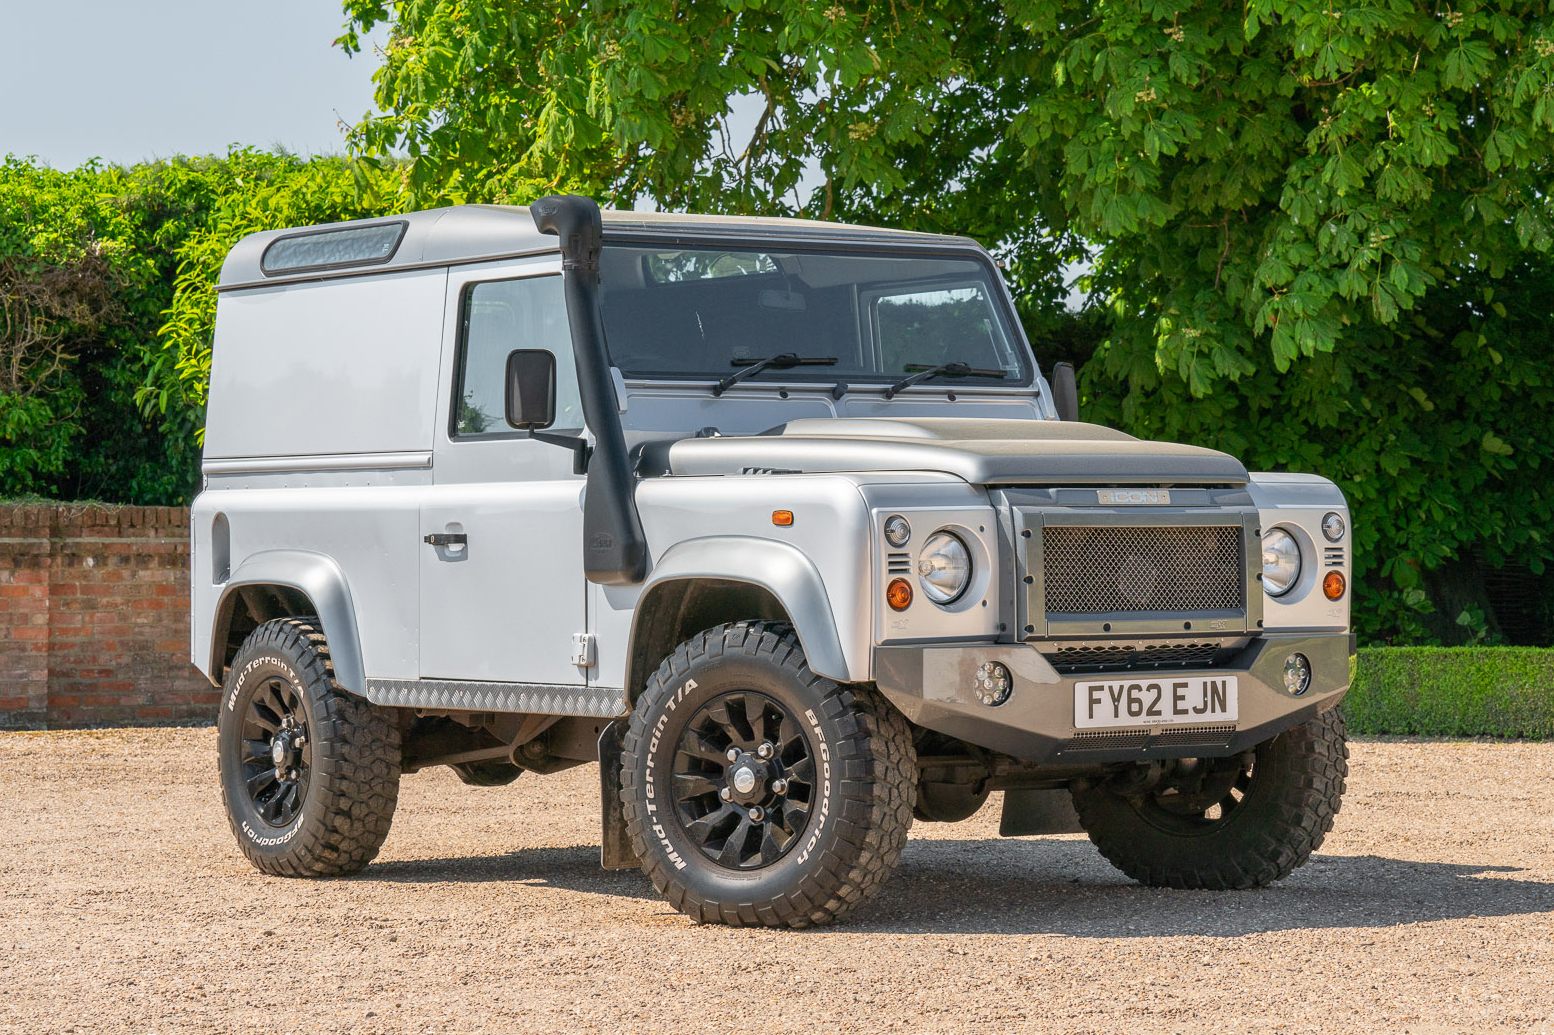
column 352, row 752
column 1296, row 786
column 866, row 798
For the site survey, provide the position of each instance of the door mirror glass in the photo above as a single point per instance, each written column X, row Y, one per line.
column 531, row 389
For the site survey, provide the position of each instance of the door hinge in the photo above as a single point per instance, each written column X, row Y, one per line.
column 583, row 650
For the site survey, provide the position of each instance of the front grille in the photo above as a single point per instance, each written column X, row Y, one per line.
column 1093, row 659
column 1103, row 569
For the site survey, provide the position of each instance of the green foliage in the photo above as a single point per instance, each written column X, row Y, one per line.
column 79, row 285
column 1318, row 237
column 1440, row 431
column 1453, row 692
column 108, row 276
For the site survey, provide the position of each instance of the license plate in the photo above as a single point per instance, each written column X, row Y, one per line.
column 1155, row 702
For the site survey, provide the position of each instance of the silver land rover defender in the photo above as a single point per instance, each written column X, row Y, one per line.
column 776, row 521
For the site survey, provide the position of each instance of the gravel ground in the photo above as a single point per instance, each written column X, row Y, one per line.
column 125, row 907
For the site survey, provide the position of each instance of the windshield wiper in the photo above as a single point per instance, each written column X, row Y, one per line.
column 926, row 372
column 785, row 361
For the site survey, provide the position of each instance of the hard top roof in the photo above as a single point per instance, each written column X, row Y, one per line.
column 475, row 233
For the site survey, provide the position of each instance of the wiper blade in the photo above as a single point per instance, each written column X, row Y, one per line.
column 785, row 361
column 924, row 372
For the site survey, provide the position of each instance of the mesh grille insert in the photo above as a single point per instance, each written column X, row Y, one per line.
column 1196, row 735
column 1094, row 569
column 1086, row 659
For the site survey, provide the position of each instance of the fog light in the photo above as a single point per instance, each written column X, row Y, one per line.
column 1297, row 674
column 992, row 683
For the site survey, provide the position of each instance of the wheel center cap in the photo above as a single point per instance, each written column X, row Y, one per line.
column 744, row 779
column 280, row 751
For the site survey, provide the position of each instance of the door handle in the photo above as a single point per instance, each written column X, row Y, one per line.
column 447, row 539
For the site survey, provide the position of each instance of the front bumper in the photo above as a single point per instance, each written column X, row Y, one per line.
column 932, row 685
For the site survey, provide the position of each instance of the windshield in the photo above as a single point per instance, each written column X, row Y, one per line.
column 703, row 312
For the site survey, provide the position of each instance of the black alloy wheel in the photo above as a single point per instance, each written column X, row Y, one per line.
column 744, row 780
column 309, row 772
column 277, row 752
column 757, row 793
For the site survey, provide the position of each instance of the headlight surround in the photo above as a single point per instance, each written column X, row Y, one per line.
column 944, row 567
column 1281, row 562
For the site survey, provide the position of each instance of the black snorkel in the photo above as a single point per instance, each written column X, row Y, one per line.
column 614, row 545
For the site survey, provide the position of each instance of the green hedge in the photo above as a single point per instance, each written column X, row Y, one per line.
column 1453, row 692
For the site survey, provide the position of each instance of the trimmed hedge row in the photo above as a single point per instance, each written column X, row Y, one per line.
column 1453, row 692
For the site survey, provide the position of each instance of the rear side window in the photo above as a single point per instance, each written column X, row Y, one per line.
column 500, row 316
column 333, row 249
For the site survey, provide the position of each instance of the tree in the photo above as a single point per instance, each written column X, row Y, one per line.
column 107, row 307
column 1304, row 221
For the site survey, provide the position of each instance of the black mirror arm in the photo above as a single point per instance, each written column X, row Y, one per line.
column 582, row 452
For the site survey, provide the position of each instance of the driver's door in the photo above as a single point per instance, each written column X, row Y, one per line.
column 504, row 604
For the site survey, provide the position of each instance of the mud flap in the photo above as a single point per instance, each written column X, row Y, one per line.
column 614, row 847
column 1029, row 811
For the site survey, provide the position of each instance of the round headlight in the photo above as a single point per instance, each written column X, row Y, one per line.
column 1333, row 527
column 1281, row 562
column 944, row 567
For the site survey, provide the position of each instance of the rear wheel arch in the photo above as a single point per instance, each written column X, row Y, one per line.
column 288, row 584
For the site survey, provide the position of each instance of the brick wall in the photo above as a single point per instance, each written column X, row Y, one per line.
column 94, row 618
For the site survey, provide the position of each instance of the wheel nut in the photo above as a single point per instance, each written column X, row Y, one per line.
column 733, row 754
column 758, row 814
column 779, row 786
column 725, row 794
column 766, row 751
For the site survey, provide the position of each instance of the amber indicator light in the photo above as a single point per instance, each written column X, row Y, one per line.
column 898, row 594
column 782, row 517
column 1333, row 585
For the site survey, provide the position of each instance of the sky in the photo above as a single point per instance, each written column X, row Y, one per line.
column 132, row 80
column 129, row 80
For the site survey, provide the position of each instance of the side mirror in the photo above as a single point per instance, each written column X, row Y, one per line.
column 531, row 388
column 1065, row 391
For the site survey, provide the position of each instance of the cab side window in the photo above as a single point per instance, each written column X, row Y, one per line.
column 500, row 316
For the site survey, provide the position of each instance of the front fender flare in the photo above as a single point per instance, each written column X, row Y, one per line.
column 320, row 579
column 777, row 567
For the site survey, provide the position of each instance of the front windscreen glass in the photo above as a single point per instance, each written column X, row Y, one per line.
column 700, row 313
